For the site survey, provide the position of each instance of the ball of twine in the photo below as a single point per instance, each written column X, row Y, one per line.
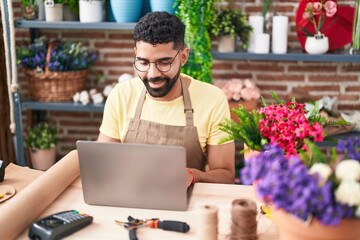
column 244, row 224
column 208, row 223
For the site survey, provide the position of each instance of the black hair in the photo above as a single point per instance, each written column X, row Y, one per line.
column 160, row 27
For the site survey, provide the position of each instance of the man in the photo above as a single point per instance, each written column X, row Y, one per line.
column 171, row 108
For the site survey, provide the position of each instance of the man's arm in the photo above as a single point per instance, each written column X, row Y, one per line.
column 104, row 138
column 221, row 159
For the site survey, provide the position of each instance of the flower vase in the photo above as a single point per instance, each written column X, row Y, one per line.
column 317, row 44
column 292, row 228
column 355, row 45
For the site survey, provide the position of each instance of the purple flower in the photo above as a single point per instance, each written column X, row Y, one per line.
column 65, row 56
column 287, row 184
column 350, row 148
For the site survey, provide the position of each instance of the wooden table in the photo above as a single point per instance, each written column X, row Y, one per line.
column 104, row 227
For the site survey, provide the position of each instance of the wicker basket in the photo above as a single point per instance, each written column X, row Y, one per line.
column 54, row 86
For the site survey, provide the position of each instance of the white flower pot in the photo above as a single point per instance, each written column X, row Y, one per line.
column 226, row 44
column 43, row 159
column 53, row 12
column 91, row 10
column 318, row 44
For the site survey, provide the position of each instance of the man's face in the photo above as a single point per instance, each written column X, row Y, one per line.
column 158, row 66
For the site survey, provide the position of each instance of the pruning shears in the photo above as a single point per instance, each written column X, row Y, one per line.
column 133, row 224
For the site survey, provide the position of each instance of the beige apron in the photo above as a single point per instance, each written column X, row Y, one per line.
column 141, row 131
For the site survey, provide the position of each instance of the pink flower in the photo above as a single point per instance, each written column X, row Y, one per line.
column 287, row 126
column 330, row 8
column 316, row 13
column 237, row 89
column 317, row 8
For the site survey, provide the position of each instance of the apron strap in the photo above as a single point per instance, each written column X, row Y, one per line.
column 140, row 104
column 188, row 110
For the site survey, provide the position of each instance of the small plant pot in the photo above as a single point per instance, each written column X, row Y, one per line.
column 318, row 44
column 53, row 12
column 69, row 15
column 30, row 12
column 43, row 159
column 226, row 44
column 90, row 11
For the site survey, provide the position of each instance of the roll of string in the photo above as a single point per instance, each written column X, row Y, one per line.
column 244, row 224
column 208, row 223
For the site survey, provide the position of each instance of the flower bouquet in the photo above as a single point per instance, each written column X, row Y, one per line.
column 287, row 124
column 316, row 13
column 55, row 70
column 326, row 193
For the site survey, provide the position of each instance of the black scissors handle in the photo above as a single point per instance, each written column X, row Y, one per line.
column 132, row 233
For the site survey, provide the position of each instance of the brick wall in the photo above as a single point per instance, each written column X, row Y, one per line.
column 286, row 78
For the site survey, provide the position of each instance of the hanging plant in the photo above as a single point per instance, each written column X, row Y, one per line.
column 197, row 15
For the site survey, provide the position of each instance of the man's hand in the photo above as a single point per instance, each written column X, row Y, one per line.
column 190, row 177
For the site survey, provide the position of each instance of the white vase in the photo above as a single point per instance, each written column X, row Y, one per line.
column 53, row 11
column 43, row 159
column 317, row 44
column 91, row 10
column 226, row 44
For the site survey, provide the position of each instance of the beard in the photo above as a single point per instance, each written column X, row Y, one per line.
column 165, row 89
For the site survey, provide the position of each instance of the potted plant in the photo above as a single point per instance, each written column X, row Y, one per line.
column 41, row 141
column 29, row 9
column 310, row 200
column 228, row 24
column 54, row 10
column 71, row 10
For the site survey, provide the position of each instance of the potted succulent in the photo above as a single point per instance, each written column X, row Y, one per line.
column 229, row 24
column 29, row 9
column 41, row 141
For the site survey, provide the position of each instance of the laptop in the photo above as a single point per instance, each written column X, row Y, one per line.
column 133, row 175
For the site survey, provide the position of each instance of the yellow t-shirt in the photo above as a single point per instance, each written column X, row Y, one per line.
column 209, row 103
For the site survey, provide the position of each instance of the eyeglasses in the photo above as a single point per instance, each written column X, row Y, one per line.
column 162, row 65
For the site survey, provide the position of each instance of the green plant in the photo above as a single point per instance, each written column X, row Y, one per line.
column 231, row 22
column 197, row 15
column 73, row 5
column 41, row 136
column 27, row 3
